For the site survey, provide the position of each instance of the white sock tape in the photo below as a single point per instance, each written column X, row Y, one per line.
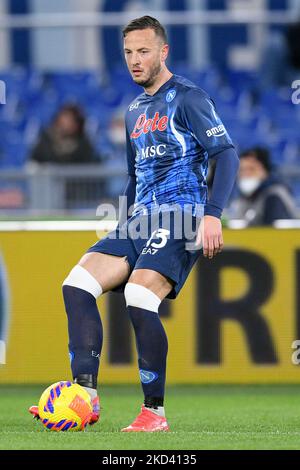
column 81, row 278
column 139, row 296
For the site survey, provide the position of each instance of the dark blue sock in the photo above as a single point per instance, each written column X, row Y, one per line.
column 152, row 347
column 85, row 333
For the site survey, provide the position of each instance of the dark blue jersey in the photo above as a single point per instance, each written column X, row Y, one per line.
column 170, row 137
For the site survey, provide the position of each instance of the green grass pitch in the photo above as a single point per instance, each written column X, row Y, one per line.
column 200, row 417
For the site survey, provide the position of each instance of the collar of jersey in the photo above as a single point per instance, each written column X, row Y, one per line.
column 162, row 88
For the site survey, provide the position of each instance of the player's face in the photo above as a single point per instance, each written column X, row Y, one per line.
column 145, row 55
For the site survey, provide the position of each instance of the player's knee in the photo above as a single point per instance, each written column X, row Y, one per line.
column 139, row 296
column 81, row 278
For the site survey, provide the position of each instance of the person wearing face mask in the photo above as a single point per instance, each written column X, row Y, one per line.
column 264, row 198
column 65, row 141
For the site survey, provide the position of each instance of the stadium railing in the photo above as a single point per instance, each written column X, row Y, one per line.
column 51, row 188
column 69, row 188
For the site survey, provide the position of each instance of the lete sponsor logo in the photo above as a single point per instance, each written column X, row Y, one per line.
column 144, row 125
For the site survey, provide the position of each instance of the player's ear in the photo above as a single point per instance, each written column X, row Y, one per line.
column 164, row 52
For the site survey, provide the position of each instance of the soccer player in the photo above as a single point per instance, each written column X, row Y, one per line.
column 172, row 130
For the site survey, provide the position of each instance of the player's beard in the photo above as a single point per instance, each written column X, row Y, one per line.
column 153, row 73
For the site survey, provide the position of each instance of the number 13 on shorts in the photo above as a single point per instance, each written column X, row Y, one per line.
column 152, row 247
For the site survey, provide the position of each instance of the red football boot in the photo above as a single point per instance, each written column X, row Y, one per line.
column 34, row 410
column 96, row 411
column 147, row 421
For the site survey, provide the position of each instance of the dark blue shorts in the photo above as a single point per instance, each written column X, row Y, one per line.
column 162, row 242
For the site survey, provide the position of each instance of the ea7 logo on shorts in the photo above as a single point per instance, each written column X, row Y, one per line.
column 217, row 131
column 134, row 106
column 151, row 246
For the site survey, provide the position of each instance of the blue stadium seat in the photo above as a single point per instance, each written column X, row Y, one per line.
column 252, row 117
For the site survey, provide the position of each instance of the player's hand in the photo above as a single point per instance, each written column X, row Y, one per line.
column 210, row 235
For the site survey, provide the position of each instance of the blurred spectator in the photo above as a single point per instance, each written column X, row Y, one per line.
column 264, row 198
column 65, row 141
column 116, row 132
column 280, row 61
column 117, row 152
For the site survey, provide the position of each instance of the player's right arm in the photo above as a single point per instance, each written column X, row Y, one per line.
column 130, row 190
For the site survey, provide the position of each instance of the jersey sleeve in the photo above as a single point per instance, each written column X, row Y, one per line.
column 227, row 164
column 130, row 154
column 202, row 120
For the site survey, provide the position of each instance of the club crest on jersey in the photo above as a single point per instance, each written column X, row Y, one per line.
column 170, row 95
column 144, row 125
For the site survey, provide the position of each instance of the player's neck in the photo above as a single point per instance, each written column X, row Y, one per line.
column 162, row 78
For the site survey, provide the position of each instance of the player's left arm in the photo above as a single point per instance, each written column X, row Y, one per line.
column 204, row 123
column 210, row 232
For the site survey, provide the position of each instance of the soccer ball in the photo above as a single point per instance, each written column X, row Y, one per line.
column 65, row 406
